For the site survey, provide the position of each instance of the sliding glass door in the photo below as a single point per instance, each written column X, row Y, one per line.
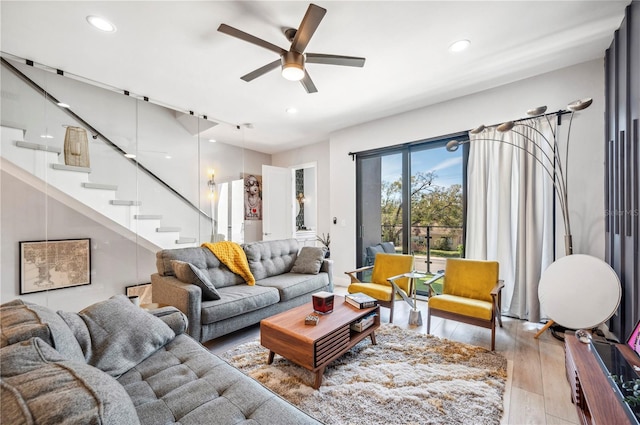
column 413, row 197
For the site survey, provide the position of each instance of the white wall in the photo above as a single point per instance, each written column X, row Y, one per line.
column 511, row 101
column 30, row 215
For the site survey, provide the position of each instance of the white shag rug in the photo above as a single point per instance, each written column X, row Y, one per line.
column 407, row 378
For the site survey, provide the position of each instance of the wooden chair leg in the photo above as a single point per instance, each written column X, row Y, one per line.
column 493, row 336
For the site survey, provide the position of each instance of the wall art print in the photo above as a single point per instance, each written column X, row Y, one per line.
column 252, row 196
column 54, row 264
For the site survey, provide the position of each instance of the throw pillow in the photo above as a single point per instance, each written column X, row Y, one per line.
column 371, row 253
column 308, row 260
column 20, row 320
column 188, row 273
column 115, row 335
column 39, row 386
column 388, row 247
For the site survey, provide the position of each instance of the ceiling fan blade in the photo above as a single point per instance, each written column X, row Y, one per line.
column 307, row 83
column 307, row 27
column 334, row 60
column 234, row 32
column 261, row 71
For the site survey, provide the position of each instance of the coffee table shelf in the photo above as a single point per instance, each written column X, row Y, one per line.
column 314, row 347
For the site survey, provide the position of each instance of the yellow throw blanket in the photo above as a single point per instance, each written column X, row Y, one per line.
column 231, row 255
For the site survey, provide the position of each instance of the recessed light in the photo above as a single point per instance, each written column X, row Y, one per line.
column 63, row 105
column 212, row 140
column 459, row 46
column 168, row 156
column 101, row 23
column 291, row 110
column 46, row 136
column 129, row 155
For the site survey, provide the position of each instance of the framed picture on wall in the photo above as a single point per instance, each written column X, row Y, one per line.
column 252, row 196
column 54, row 264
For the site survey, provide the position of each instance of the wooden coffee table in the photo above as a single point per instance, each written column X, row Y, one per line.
column 314, row 347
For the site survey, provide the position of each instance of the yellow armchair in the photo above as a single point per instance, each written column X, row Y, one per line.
column 471, row 294
column 387, row 279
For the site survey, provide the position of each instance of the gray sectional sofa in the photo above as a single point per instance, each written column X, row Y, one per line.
column 116, row 364
column 286, row 275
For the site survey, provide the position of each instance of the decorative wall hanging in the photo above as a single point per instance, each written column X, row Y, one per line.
column 252, row 197
column 76, row 147
column 54, row 264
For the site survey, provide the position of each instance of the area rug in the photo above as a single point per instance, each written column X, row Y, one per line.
column 407, row 378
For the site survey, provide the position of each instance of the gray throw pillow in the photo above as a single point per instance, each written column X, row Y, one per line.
column 116, row 335
column 309, row 260
column 372, row 251
column 388, row 247
column 39, row 386
column 20, row 320
column 188, row 273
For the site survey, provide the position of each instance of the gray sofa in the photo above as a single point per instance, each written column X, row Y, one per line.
column 114, row 363
column 283, row 281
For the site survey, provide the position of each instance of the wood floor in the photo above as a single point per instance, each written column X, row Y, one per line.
column 537, row 391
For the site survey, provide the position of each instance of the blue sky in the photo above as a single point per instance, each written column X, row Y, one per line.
column 446, row 165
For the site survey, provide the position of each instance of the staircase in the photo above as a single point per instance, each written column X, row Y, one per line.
column 42, row 167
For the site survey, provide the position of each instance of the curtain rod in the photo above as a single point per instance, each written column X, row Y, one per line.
column 559, row 113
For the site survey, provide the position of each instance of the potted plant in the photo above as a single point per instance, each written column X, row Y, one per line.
column 325, row 241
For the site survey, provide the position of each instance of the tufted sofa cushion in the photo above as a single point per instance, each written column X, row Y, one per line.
column 184, row 383
column 271, row 258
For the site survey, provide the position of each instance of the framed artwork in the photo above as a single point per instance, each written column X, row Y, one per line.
column 252, row 197
column 143, row 291
column 54, row 264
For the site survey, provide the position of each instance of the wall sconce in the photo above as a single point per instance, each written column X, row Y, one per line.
column 300, row 198
column 211, row 183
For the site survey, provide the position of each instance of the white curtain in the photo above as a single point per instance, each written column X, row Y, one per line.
column 510, row 210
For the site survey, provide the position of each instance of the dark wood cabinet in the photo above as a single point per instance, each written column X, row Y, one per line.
column 591, row 390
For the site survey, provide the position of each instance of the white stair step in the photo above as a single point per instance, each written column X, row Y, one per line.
column 148, row 217
column 100, row 186
column 167, row 229
column 64, row 167
column 125, row 203
column 38, row 147
column 185, row 240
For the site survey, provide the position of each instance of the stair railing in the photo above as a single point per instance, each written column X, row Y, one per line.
column 98, row 135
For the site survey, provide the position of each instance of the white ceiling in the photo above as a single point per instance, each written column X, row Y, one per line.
column 171, row 52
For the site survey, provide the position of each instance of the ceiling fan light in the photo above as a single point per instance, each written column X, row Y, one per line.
column 292, row 72
column 293, row 65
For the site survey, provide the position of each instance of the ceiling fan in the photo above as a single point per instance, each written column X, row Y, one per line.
column 294, row 59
